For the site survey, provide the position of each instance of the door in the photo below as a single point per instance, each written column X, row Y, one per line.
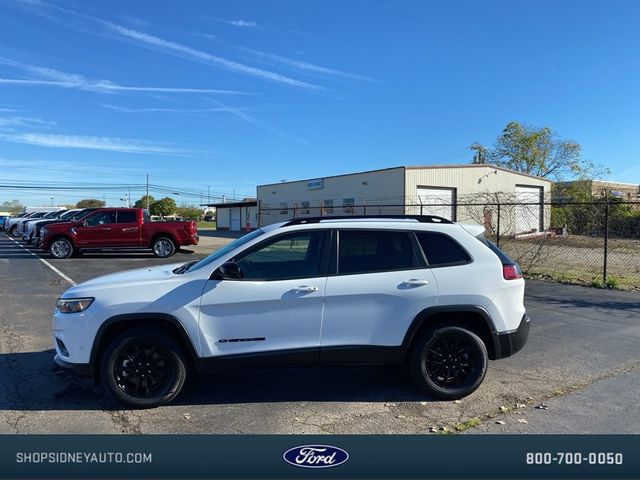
column 234, row 219
column 128, row 228
column 382, row 283
column 528, row 209
column 98, row 230
column 437, row 201
column 277, row 305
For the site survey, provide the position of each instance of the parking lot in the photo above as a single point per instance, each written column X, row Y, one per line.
column 582, row 363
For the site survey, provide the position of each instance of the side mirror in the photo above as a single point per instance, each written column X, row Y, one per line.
column 228, row 271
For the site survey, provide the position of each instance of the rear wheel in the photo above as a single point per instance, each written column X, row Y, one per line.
column 163, row 247
column 143, row 368
column 12, row 230
column 61, row 248
column 448, row 362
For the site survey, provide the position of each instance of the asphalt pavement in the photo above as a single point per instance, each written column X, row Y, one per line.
column 582, row 362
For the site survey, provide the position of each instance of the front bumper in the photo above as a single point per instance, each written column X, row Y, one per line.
column 511, row 342
column 81, row 369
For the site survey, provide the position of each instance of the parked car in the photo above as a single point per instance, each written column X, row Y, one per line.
column 10, row 224
column 31, row 235
column 433, row 295
column 117, row 228
column 25, row 226
column 2, row 219
column 19, row 225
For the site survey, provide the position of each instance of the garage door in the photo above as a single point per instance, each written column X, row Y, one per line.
column 528, row 216
column 437, row 201
column 234, row 219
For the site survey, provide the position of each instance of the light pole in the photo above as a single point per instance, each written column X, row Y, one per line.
column 51, row 201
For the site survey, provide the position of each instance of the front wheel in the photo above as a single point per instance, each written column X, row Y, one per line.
column 448, row 362
column 61, row 248
column 163, row 247
column 143, row 368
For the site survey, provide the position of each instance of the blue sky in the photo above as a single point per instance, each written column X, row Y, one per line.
column 222, row 96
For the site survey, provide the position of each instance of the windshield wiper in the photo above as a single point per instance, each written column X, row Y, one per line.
column 185, row 267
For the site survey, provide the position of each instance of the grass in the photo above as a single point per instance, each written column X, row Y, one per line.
column 206, row 225
column 472, row 422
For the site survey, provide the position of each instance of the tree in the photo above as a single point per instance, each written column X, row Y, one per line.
column 189, row 213
column 540, row 152
column 163, row 207
column 14, row 207
column 90, row 203
column 142, row 202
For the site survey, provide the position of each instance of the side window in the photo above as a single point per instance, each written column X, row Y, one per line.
column 127, row 216
column 363, row 251
column 101, row 218
column 296, row 255
column 442, row 250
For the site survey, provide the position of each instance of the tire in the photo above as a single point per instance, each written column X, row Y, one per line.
column 448, row 362
column 60, row 248
column 152, row 349
column 12, row 230
column 163, row 247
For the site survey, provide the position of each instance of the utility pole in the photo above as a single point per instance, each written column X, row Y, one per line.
column 479, row 158
column 147, row 191
column 129, row 198
column 208, row 193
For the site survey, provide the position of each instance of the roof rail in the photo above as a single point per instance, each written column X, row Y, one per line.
column 419, row 218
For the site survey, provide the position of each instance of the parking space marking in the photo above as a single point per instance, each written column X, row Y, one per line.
column 73, row 284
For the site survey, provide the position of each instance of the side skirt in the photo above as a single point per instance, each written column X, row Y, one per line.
column 305, row 357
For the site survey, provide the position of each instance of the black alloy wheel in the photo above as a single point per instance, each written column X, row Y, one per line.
column 449, row 362
column 142, row 368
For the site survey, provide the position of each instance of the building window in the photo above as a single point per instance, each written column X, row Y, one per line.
column 328, row 207
column 347, row 205
column 305, row 208
column 283, row 208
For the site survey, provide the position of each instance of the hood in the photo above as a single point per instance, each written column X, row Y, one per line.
column 136, row 277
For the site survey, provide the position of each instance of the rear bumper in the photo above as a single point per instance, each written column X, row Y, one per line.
column 511, row 342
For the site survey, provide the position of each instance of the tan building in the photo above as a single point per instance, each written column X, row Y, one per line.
column 437, row 190
column 599, row 188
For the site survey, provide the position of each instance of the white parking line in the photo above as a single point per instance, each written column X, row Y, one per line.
column 43, row 261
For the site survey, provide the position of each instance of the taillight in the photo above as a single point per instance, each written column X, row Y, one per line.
column 511, row 272
column 191, row 227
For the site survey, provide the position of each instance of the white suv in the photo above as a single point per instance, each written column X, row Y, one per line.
column 420, row 291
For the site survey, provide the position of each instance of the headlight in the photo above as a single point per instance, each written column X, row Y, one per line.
column 73, row 305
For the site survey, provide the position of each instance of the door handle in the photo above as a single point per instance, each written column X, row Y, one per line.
column 130, row 229
column 414, row 282
column 305, row 288
column 106, row 228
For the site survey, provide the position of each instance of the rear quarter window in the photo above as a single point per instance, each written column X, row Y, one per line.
column 441, row 250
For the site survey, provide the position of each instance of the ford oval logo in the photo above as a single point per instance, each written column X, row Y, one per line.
column 315, row 456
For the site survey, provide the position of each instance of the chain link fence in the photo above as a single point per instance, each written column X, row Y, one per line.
column 594, row 243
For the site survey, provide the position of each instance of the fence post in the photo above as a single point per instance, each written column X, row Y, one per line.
column 498, row 228
column 606, row 237
column 259, row 213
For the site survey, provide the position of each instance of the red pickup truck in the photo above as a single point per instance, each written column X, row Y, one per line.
column 116, row 228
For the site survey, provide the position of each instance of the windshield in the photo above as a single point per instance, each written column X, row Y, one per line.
column 226, row 249
column 68, row 214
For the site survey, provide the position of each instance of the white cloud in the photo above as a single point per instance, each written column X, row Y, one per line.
column 9, row 122
column 305, row 66
column 56, row 78
column 241, row 23
column 111, row 144
column 200, row 56
column 164, row 110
